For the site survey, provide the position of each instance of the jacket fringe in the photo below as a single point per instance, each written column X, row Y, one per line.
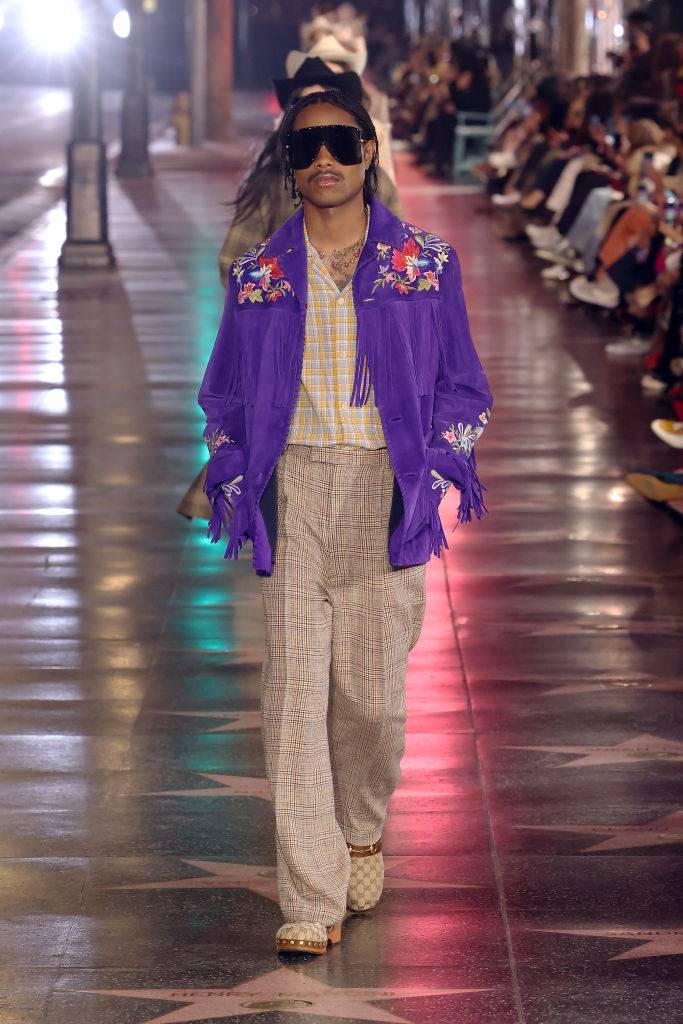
column 437, row 537
column 231, row 520
column 471, row 494
column 220, row 517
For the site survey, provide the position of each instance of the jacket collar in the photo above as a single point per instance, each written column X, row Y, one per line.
column 289, row 246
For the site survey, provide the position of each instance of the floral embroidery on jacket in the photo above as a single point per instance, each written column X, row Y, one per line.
column 215, row 440
column 462, row 438
column 231, row 489
column 415, row 267
column 264, row 277
column 440, row 483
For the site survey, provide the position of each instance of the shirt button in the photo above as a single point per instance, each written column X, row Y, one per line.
column 340, row 302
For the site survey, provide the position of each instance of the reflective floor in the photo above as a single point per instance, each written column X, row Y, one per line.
column 534, row 844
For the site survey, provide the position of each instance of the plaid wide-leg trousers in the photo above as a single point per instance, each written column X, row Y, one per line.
column 340, row 622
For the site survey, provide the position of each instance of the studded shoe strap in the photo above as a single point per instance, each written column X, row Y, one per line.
column 365, row 851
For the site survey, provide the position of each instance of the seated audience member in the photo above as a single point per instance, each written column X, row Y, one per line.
column 597, row 190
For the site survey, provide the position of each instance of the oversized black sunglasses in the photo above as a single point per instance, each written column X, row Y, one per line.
column 343, row 141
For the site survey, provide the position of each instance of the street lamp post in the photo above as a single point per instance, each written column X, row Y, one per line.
column 197, row 17
column 87, row 242
column 219, row 69
column 134, row 160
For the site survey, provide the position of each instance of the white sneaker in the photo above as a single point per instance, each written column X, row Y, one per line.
column 511, row 199
column 556, row 272
column 628, row 347
column 563, row 253
column 597, row 293
column 670, row 431
column 547, row 237
column 651, row 383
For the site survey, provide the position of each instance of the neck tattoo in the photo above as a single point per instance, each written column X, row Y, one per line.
column 341, row 263
column 340, row 260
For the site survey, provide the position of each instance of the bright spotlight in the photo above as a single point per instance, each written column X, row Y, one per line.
column 53, row 26
column 121, row 24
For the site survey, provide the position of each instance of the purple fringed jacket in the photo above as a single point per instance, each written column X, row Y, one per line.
column 414, row 347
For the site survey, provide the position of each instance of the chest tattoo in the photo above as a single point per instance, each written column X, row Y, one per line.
column 341, row 263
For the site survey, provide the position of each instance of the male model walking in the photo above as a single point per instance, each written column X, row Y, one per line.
column 343, row 397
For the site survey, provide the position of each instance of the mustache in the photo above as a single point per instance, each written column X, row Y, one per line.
column 326, row 174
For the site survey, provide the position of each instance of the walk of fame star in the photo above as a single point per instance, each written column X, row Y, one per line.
column 237, row 719
column 262, row 879
column 227, row 785
column 243, row 785
column 640, row 748
column 589, row 627
column 657, row 832
column 613, row 686
column 597, row 684
column 651, row 941
column 285, row 990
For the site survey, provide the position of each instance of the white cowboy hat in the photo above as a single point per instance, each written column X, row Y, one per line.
column 309, row 29
column 331, row 51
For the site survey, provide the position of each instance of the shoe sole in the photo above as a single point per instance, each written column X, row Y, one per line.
column 673, row 440
column 553, row 257
column 557, row 277
column 592, row 301
column 627, row 351
column 296, row 946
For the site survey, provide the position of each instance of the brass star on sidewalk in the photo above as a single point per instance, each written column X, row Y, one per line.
column 228, row 785
column 242, row 785
column 262, row 879
column 651, row 941
column 598, row 683
column 590, row 627
column 615, row 685
column 283, row 990
column 640, row 748
column 657, row 832
column 237, row 719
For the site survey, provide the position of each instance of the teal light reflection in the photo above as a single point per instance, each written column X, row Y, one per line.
column 208, row 753
column 209, row 597
column 199, row 630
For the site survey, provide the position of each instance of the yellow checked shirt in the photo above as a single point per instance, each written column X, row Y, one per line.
column 322, row 415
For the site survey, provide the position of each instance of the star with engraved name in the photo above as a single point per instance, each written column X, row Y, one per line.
column 242, row 785
column 237, row 719
column 640, row 748
column 227, row 785
column 598, row 684
column 284, row 990
column 592, row 627
column 616, row 686
column 262, row 880
column 657, row 832
column 651, row 941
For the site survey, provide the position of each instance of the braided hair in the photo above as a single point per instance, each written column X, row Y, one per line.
column 334, row 98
